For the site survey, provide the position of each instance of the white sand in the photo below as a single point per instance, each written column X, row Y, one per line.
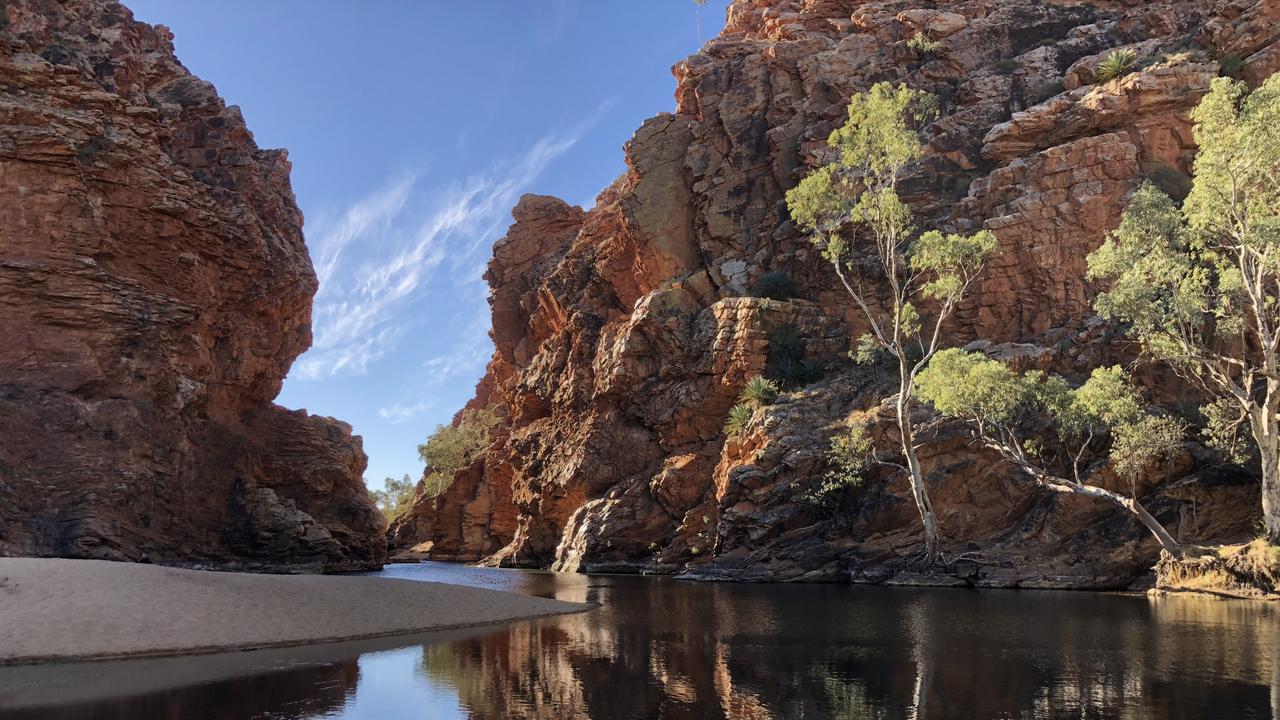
column 89, row 609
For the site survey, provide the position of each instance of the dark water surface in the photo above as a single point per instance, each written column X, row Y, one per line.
column 659, row 648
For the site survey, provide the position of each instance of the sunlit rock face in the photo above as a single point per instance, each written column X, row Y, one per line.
column 156, row 289
column 625, row 333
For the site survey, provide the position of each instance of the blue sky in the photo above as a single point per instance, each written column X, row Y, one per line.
column 413, row 128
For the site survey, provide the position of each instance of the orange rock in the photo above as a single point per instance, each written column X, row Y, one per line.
column 156, row 289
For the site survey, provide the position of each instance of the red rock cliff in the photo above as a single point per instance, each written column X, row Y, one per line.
column 155, row 290
column 625, row 333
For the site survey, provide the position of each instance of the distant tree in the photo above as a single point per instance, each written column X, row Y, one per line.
column 396, row 496
column 453, row 447
column 1003, row 409
column 1200, row 287
column 853, row 202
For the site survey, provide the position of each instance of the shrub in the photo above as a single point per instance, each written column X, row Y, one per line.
column 786, row 362
column 1115, row 65
column 1175, row 184
column 922, row 46
column 1230, row 66
column 775, row 285
column 759, row 391
column 739, row 418
column 848, row 458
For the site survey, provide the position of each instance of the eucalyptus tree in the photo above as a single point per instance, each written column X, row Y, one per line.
column 852, row 212
column 1200, row 285
column 1012, row 413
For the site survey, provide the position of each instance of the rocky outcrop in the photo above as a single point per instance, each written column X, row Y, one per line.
column 625, row 333
column 155, row 290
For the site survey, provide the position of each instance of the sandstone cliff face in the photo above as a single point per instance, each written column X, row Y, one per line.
column 155, row 290
column 625, row 333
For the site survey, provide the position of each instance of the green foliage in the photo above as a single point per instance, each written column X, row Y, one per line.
column 853, row 202
column 999, row 402
column 1199, row 286
column 922, row 45
column 950, row 259
column 759, row 391
column 739, row 418
column 786, row 362
column 971, row 386
column 775, row 285
column 396, row 496
column 453, row 447
column 867, row 350
column 848, row 459
column 1226, row 429
column 1231, row 66
column 1115, row 65
column 1149, row 440
column 1170, row 181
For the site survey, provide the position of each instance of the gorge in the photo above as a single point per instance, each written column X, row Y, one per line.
column 625, row 333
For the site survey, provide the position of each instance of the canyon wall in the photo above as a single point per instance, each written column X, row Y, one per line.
column 155, row 289
column 624, row 333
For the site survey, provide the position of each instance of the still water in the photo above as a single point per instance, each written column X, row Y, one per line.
column 658, row 648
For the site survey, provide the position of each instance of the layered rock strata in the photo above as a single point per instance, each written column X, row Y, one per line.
column 625, row 333
column 155, row 289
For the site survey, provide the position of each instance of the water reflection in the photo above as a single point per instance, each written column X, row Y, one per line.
column 659, row 648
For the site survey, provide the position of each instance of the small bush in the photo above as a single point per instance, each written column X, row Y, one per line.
column 1175, row 184
column 922, row 46
column 848, row 458
column 739, row 418
column 787, row 363
column 775, row 285
column 1005, row 67
column 1115, row 65
column 1231, row 66
column 759, row 391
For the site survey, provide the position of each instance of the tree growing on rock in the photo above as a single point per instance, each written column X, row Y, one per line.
column 1009, row 413
column 852, row 212
column 453, row 447
column 1200, row 285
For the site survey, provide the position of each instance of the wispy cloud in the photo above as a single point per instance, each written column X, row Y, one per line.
column 378, row 260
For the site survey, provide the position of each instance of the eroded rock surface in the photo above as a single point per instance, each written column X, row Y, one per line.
column 155, row 290
column 625, row 333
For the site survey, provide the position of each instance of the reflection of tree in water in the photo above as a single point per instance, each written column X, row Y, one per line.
column 672, row 650
column 304, row 692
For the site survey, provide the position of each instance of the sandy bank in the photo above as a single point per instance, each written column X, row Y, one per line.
column 87, row 609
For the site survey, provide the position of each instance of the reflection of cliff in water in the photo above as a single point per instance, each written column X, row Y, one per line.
column 664, row 649
column 303, row 692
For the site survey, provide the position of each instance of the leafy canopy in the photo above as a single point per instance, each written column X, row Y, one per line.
column 453, row 447
column 396, row 496
column 1200, row 285
column 1002, row 404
